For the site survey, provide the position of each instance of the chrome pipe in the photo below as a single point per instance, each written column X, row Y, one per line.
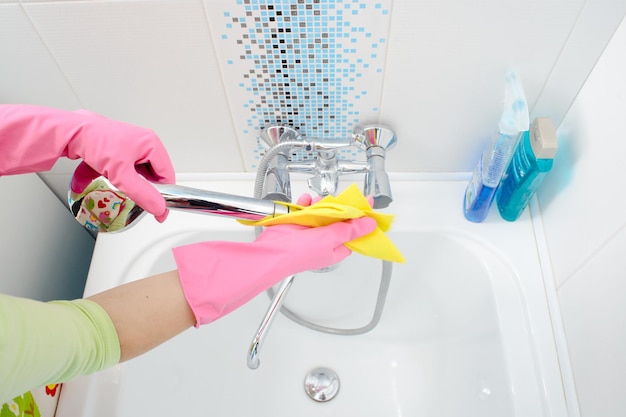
column 253, row 360
column 178, row 197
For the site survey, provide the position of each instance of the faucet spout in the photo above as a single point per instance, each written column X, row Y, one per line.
column 326, row 180
column 253, row 360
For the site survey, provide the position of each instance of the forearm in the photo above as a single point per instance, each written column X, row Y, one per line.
column 44, row 343
column 147, row 312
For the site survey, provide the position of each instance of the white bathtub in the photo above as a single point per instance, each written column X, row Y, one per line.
column 466, row 329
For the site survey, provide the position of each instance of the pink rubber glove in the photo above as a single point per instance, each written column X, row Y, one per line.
column 32, row 138
column 218, row 277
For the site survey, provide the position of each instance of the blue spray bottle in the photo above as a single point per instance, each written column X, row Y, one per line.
column 529, row 165
column 514, row 121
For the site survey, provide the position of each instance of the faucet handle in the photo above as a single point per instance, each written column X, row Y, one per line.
column 275, row 134
column 376, row 140
column 367, row 136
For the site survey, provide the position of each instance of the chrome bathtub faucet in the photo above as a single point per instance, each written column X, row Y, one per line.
column 281, row 141
column 273, row 183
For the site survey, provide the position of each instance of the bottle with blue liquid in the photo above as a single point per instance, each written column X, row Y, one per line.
column 481, row 190
column 530, row 164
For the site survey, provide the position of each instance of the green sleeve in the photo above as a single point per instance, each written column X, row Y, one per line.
column 46, row 343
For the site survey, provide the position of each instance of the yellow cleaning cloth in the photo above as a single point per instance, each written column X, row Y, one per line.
column 350, row 204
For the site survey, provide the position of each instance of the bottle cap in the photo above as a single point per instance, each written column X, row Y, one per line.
column 543, row 138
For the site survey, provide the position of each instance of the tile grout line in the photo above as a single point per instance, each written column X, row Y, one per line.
column 554, row 64
column 214, row 46
column 560, row 339
column 385, row 63
column 52, row 56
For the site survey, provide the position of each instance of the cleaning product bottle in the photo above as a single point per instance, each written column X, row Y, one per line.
column 529, row 165
column 481, row 190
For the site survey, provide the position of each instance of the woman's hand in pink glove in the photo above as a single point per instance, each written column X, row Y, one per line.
column 218, row 277
column 32, row 138
column 124, row 153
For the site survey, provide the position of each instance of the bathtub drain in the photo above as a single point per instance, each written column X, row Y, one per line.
column 321, row 384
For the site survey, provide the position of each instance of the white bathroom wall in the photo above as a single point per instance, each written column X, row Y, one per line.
column 204, row 76
column 584, row 215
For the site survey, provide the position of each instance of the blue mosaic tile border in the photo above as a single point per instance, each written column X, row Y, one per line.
column 305, row 58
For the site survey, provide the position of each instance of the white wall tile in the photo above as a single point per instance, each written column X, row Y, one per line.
column 582, row 200
column 444, row 78
column 28, row 72
column 586, row 39
column 149, row 63
column 593, row 307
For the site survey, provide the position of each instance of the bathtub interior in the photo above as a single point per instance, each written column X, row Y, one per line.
column 456, row 337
